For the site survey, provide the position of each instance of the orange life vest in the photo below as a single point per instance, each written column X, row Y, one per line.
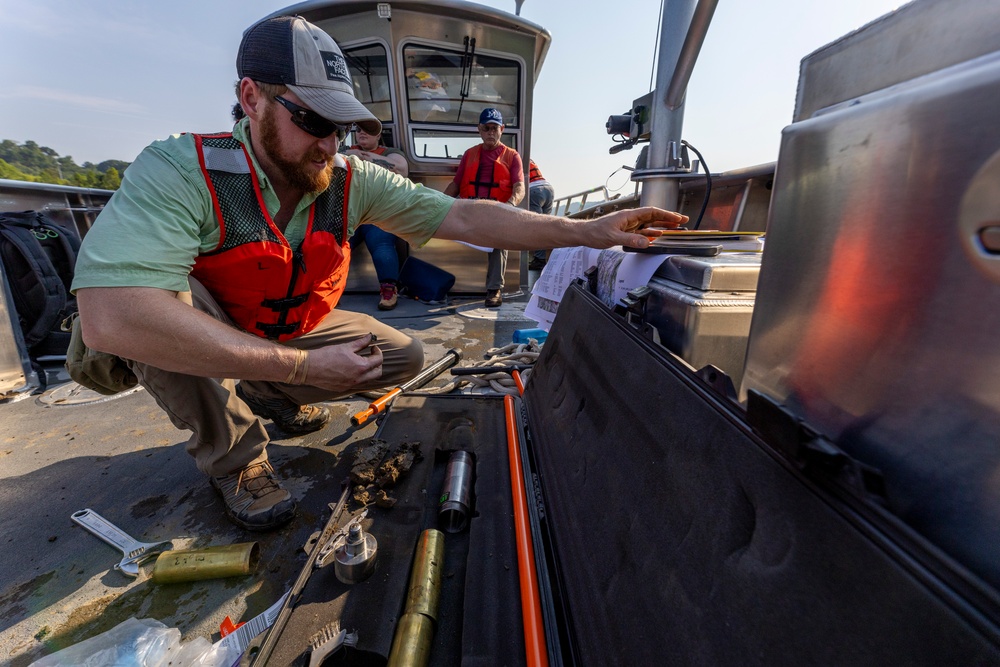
column 262, row 284
column 534, row 173
column 501, row 187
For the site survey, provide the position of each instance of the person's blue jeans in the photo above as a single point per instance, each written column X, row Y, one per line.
column 382, row 247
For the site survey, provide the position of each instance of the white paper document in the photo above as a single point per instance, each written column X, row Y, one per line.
column 617, row 273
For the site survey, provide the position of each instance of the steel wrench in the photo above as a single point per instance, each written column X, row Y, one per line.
column 135, row 552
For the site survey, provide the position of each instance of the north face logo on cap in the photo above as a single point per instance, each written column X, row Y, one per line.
column 336, row 67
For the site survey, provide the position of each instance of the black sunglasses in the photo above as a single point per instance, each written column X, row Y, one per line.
column 311, row 122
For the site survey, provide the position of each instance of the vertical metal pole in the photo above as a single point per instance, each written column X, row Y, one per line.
column 667, row 123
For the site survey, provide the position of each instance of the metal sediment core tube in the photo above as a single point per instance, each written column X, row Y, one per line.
column 209, row 563
column 456, row 496
column 411, row 646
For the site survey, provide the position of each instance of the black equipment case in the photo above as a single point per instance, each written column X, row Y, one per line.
column 668, row 530
column 846, row 514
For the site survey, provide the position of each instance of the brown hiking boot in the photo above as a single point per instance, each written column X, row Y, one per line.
column 388, row 296
column 253, row 497
column 290, row 418
column 493, row 298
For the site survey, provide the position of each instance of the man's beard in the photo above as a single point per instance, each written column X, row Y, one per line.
column 300, row 174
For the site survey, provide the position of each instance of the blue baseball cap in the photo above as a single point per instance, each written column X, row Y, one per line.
column 490, row 117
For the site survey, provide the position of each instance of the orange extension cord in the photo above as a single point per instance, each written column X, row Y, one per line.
column 531, row 606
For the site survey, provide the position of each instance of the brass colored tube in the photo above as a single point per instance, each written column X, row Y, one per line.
column 411, row 645
column 425, row 578
column 209, row 563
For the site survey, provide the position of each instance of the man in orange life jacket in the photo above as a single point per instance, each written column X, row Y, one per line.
column 221, row 259
column 490, row 171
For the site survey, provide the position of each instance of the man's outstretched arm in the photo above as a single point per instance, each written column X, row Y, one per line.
column 490, row 224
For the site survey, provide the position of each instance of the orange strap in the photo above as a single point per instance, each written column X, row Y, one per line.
column 531, row 606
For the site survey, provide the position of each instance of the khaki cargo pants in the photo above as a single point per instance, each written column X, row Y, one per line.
column 226, row 434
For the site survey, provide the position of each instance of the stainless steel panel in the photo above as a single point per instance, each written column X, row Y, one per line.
column 917, row 39
column 739, row 200
column 702, row 327
column 878, row 308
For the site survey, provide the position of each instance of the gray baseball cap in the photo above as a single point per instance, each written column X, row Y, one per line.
column 291, row 51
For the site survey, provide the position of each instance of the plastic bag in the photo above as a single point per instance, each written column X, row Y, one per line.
column 140, row 642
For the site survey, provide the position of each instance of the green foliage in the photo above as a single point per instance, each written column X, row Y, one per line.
column 31, row 162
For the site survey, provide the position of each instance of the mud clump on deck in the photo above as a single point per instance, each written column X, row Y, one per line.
column 379, row 465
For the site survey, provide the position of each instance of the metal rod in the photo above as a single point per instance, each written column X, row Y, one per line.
column 381, row 404
column 667, row 123
column 689, row 52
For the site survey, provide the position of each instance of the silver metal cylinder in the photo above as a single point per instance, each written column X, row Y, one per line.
column 354, row 555
column 456, row 496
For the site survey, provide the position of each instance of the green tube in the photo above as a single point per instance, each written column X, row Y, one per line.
column 210, row 563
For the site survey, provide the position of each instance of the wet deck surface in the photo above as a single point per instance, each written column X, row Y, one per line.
column 124, row 459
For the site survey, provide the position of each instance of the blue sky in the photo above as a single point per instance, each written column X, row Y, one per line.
column 101, row 79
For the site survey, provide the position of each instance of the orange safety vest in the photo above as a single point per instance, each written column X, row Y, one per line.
column 262, row 284
column 501, row 187
column 534, row 173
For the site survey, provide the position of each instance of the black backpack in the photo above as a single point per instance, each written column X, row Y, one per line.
column 39, row 256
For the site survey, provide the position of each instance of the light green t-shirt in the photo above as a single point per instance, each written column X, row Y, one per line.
column 162, row 218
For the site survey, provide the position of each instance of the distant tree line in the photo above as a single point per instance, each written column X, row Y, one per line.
column 41, row 164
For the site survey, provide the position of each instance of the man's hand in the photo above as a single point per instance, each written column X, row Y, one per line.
column 339, row 368
column 620, row 227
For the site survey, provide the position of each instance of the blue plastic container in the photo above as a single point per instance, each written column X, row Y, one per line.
column 522, row 335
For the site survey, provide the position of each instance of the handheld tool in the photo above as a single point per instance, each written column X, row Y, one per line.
column 135, row 552
column 259, row 650
column 381, row 404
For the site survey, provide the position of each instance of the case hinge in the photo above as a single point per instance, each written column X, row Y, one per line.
column 808, row 449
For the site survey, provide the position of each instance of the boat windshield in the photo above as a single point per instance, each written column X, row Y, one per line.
column 452, row 87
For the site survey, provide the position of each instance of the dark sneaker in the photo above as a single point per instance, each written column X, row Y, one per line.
column 493, row 298
column 387, row 296
column 254, row 499
column 290, row 418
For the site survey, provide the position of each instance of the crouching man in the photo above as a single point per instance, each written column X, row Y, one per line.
column 222, row 257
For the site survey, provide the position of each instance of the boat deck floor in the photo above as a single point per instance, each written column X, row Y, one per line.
column 123, row 459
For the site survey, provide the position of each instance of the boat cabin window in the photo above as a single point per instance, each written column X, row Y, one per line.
column 452, row 87
column 370, row 72
column 446, row 144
